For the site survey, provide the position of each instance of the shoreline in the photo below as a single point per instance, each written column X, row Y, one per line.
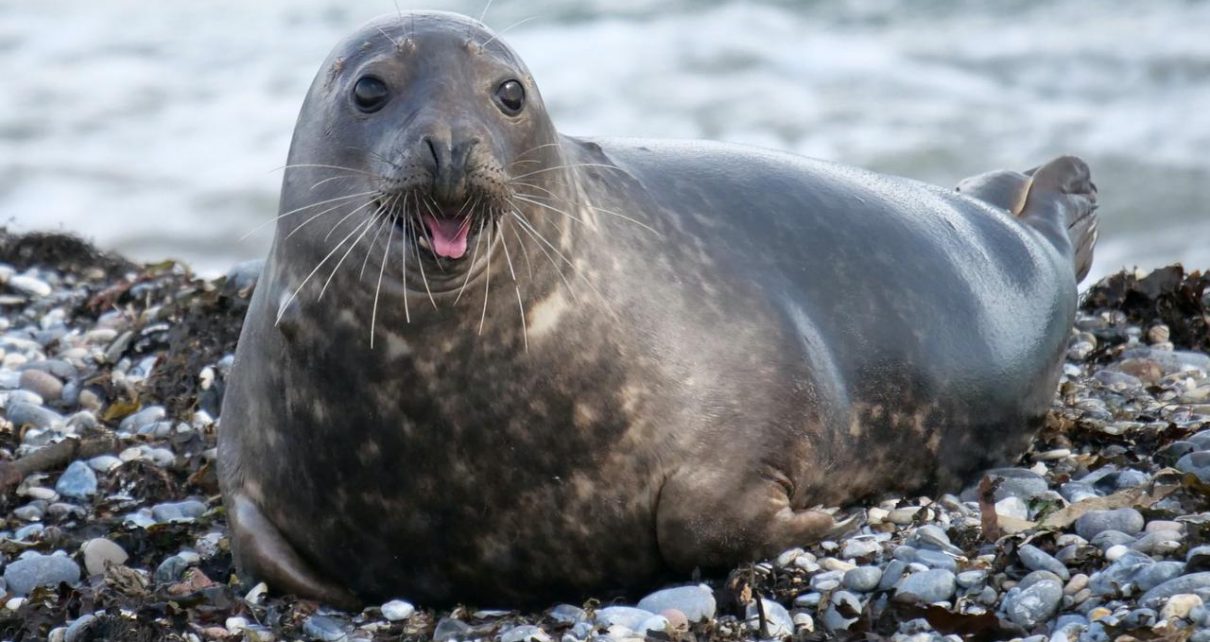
column 111, row 376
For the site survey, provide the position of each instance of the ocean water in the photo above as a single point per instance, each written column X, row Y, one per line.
column 158, row 129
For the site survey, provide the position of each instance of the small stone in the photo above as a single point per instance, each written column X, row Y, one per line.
column 567, row 614
column 1126, row 520
column 104, row 463
column 324, row 628
column 928, row 587
column 144, row 417
column 1035, row 604
column 1115, row 552
column 178, row 511
column 787, row 557
column 1179, row 606
column 99, row 553
column 626, row 616
column 23, row 413
column 1036, row 559
column 77, row 482
column 843, row 610
column 1198, row 558
column 676, row 620
column 1159, row 543
column 803, row 622
column 1012, row 507
column 30, row 285
column 21, row 576
column 449, row 629
column 696, row 602
column 1164, row 526
column 778, row 623
column 1184, row 584
column 529, row 633
column 397, row 610
column 1107, row 539
column 971, row 579
column 171, row 569
column 82, row 629
column 857, row 548
column 863, row 578
column 891, row 574
column 41, row 383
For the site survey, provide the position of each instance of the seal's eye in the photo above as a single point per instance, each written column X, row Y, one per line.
column 510, row 95
column 370, row 94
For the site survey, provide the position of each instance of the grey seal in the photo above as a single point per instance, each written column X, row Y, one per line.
column 490, row 362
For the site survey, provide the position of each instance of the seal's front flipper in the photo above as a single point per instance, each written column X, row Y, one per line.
column 1062, row 200
column 716, row 520
column 262, row 552
column 1003, row 188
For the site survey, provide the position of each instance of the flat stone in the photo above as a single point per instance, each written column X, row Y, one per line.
column 22, row 575
column 397, row 610
column 626, row 616
column 77, row 482
column 41, row 383
column 1191, row 583
column 928, row 587
column 567, row 614
column 1179, row 606
column 178, row 511
column 99, row 553
column 696, row 602
column 1035, row 604
column 778, row 623
column 843, row 610
column 1036, row 559
column 525, row 633
column 324, row 628
column 863, row 578
column 1126, row 520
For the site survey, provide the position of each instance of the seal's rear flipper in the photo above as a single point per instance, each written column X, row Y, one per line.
column 1062, row 200
column 261, row 551
column 1003, row 188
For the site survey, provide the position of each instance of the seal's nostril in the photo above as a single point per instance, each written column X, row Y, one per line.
column 428, row 141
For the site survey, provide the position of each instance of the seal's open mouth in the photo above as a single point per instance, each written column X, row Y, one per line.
column 445, row 236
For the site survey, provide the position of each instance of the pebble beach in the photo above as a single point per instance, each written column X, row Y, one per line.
column 111, row 382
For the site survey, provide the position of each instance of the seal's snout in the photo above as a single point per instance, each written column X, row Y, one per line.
column 447, row 160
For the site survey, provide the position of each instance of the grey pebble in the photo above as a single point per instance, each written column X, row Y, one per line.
column 860, row 548
column 77, row 482
column 843, row 610
column 146, row 416
column 1191, row 583
column 178, row 511
column 29, row 532
column 567, row 614
column 1197, row 463
column 1198, row 558
column 863, row 578
column 778, row 623
column 891, row 574
column 1106, row 539
column 525, row 633
column 696, row 602
column 1021, row 483
column 1037, row 603
column 32, row 511
column 970, row 579
column 23, row 413
column 1126, row 520
column 450, row 629
column 1151, row 576
column 171, row 569
column 41, row 383
column 26, row 573
column 931, row 586
column 100, row 552
column 322, row 627
column 826, row 581
column 1036, row 559
column 81, row 629
column 936, row 559
column 627, row 616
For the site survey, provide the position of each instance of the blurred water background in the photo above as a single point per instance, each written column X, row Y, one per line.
column 156, row 128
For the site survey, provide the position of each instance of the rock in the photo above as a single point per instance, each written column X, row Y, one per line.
column 81, row 630
column 449, row 629
column 1126, row 520
column 527, row 633
column 1151, row 576
column 144, row 417
column 1179, row 606
column 1197, row 463
column 696, row 602
column 778, row 623
column 1012, row 507
column 936, row 559
column 22, row 575
column 100, row 552
column 1036, row 559
column 828, row 581
column 104, row 463
column 1021, row 483
column 858, row 548
column 41, row 383
column 77, row 482
column 970, row 579
column 172, row 568
column 626, row 616
column 1192, row 583
column 178, row 511
column 843, row 610
column 30, row 285
column 23, row 413
column 567, row 614
column 1035, row 604
column 327, row 629
column 928, row 587
column 891, row 574
column 863, row 578
column 397, row 610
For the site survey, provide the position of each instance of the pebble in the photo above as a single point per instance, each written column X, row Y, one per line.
column 1029, row 606
column 778, row 623
column 23, row 413
column 1192, row 583
column 1036, row 559
column 448, row 629
column 1197, row 463
column 30, row 285
column 531, row 633
column 99, row 552
column 567, row 614
column 1012, row 507
column 626, row 616
column 397, row 610
column 37, row 569
column 144, row 417
column 1125, row 520
column 324, row 628
column 104, row 463
column 1180, row 605
column 843, row 610
column 178, row 511
column 43, row 384
column 928, row 587
column 78, row 481
column 863, row 578
column 696, row 602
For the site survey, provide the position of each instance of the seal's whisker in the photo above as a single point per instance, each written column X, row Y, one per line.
column 321, row 166
column 525, row 199
column 431, row 206
column 483, row 14
column 423, row 277
column 383, row 221
column 529, row 267
column 574, row 271
column 467, row 278
column 393, row 41
column 368, row 225
column 334, row 178
column 285, row 304
column 559, row 271
column 488, row 287
column 505, row 30
column 517, row 288
column 386, row 249
column 336, row 225
column 292, row 212
column 569, row 166
column 407, row 236
column 532, row 149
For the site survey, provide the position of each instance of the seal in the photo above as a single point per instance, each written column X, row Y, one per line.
column 488, row 362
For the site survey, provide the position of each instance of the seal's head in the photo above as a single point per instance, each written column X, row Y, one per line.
column 414, row 133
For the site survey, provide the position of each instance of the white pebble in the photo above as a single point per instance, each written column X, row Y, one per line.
column 397, row 610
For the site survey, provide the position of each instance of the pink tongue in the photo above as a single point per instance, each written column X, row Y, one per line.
column 448, row 236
